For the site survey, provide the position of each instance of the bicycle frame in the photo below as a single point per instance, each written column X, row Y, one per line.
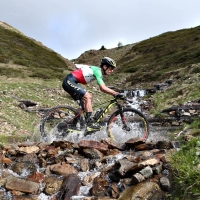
column 112, row 103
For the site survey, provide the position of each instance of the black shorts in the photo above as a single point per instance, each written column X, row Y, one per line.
column 70, row 85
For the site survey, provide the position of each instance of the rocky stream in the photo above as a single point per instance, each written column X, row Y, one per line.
column 99, row 169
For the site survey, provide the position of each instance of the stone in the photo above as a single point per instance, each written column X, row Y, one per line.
column 147, row 172
column 53, row 184
column 143, row 191
column 63, row 169
column 165, row 183
column 22, row 185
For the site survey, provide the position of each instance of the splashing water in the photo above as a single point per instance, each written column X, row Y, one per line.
column 135, row 97
column 43, row 196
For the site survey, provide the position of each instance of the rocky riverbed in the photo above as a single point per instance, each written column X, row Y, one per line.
column 87, row 170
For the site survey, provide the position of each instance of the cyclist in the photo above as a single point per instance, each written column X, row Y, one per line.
column 84, row 75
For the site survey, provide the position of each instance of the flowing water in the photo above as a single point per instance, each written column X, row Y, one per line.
column 135, row 100
column 157, row 133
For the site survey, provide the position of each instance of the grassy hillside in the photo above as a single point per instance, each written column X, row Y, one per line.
column 160, row 57
column 36, row 59
column 166, row 56
column 31, row 71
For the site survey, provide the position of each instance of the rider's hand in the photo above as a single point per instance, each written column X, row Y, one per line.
column 119, row 96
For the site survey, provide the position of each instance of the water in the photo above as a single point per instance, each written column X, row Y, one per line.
column 43, row 196
column 156, row 134
column 135, row 100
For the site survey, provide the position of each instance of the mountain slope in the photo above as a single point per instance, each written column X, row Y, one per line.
column 36, row 59
column 154, row 59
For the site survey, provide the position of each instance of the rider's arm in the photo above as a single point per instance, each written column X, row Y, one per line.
column 102, row 86
column 107, row 90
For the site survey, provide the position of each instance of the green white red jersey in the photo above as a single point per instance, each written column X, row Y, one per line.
column 85, row 74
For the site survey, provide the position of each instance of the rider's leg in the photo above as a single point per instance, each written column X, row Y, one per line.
column 87, row 103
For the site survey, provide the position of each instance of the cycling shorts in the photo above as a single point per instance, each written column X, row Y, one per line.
column 70, row 85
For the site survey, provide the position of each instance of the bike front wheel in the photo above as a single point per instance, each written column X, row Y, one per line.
column 132, row 124
column 58, row 121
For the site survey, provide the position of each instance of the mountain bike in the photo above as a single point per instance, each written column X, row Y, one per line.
column 122, row 124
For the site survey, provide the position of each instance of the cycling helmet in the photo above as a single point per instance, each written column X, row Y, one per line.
column 108, row 61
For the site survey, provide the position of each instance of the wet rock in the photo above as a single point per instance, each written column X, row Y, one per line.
column 70, row 187
column 143, row 191
column 22, row 185
column 105, row 167
column 25, row 197
column 137, row 178
column 25, row 168
column 8, row 147
column 114, row 190
column 121, row 169
column 147, row 172
column 53, row 184
column 93, row 144
column 146, row 155
column 51, row 151
column 165, row 183
column 99, row 188
column 31, row 157
column 64, row 145
column 92, row 153
column 84, row 164
column 126, row 166
column 31, row 149
column 63, row 169
column 145, row 146
column 151, row 162
column 164, row 145
column 113, row 152
column 71, row 159
column 157, row 169
column 131, row 143
column 88, row 179
column 112, row 144
column 36, row 177
column 161, row 157
column 6, row 161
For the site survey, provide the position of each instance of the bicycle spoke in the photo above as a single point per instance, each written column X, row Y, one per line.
column 59, row 121
column 133, row 125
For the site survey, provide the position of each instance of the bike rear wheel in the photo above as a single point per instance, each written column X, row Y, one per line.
column 135, row 125
column 58, row 121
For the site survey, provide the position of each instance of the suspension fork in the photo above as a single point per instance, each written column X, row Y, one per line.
column 125, row 127
column 122, row 114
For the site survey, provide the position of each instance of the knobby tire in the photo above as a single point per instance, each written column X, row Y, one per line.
column 54, row 117
column 136, row 122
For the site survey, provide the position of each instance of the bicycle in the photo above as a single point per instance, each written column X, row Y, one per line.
column 124, row 123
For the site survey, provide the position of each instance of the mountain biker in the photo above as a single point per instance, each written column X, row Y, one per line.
column 84, row 75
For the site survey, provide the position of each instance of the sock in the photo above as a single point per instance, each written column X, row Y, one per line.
column 87, row 116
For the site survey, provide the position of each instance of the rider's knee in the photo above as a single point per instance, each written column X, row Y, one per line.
column 87, row 97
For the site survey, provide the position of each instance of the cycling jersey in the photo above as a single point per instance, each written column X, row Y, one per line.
column 85, row 74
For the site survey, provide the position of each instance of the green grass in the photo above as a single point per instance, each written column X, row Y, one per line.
column 157, row 57
column 186, row 170
column 20, row 50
